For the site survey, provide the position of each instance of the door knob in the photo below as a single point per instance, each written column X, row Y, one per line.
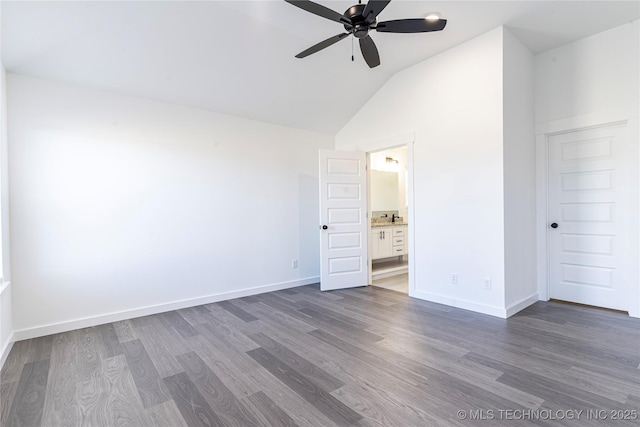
column 324, row 227
column 554, row 225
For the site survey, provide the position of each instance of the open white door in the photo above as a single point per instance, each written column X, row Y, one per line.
column 343, row 220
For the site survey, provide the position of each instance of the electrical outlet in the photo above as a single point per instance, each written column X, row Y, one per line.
column 454, row 278
column 294, row 263
column 487, row 283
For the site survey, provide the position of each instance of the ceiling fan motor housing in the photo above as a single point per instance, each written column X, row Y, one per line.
column 360, row 27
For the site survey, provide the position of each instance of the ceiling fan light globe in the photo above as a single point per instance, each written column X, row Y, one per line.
column 360, row 31
column 433, row 16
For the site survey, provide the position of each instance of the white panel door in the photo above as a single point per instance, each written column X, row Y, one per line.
column 343, row 221
column 589, row 216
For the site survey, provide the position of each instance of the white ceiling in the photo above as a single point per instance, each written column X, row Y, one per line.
column 237, row 57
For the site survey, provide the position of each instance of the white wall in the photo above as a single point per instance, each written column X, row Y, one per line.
column 519, row 174
column 594, row 78
column 6, row 308
column 595, row 74
column 454, row 103
column 122, row 206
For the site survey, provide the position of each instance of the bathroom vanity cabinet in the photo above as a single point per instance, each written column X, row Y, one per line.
column 386, row 242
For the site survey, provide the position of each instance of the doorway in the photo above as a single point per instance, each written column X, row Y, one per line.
column 389, row 219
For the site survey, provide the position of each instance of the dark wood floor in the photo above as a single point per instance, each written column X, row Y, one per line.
column 366, row 356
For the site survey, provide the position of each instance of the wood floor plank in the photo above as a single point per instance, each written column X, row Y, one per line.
column 219, row 333
column 148, row 382
column 625, row 375
column 394, row 386
column 40, row 348
column 7, row 393
column 322, row 400
column 231, row 368
column 110, row 340
column 124, row 407
column 331, row 321
column 332, row 313
column 92, row 401
column 580, row 350
column 250, row 299
column 166, row 414
column 61, row 406
column 244, row 377
column 300, row 364
column 267, row 412
column 547, row 388
column 173, row 319
column 479, row 393
column 319, row 319
column 163, row 360
column 390, row 393
column 223, row 402
column 160, row 344
column 608, row 337
column 220, row 315
column 237, row 311
column 15, row 361
column 90, row 349
column 195, row 315
column 367, row 402
column 360, row 295
column 193, row 407
column 28, row 402
column 174, row 343
column 124, row 331
column 283, row 320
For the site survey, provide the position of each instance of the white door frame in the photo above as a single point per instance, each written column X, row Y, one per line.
column 543, row 132
column 405, row 139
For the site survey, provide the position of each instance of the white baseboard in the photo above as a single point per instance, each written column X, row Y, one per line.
column 55, row 328
column 478, row 308
column 461, row 303
column 522, row 304
column 6, row 350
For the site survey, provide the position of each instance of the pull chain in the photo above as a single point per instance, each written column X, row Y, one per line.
column 352, row 58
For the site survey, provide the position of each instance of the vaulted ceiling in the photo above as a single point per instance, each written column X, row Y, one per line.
column 237, row 57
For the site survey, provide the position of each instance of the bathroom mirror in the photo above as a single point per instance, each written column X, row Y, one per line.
column 384, row 191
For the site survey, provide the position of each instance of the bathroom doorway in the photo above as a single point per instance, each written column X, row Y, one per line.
column 389, row 219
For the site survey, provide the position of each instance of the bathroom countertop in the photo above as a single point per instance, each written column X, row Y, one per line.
column 387, row 224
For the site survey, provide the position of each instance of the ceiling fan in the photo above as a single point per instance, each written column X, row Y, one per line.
column 359, row 19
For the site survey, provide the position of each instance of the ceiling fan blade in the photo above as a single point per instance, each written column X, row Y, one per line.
column 318, row 9
column 369, row 51
column 418, row 25
column 373, row 9
column 323, row 44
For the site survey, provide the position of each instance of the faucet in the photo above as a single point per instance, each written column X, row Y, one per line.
column 394, row 217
